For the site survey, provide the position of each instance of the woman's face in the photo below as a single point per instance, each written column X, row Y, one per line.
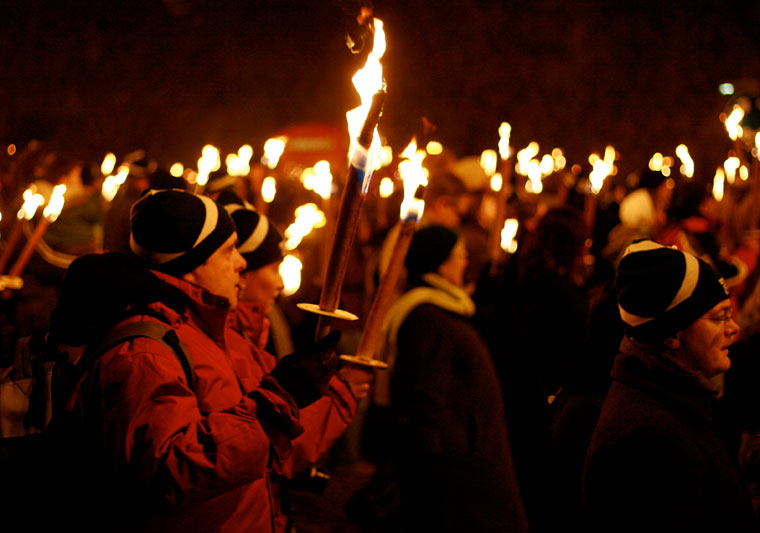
column 453, row 268
column 262, row 285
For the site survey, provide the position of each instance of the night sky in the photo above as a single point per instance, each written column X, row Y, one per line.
column 171, row 76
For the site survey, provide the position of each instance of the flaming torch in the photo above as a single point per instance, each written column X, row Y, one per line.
column 49, row 215
column 600, row 170
column 500, row 188
column 415, row 181
column 32, row 200
column 365, row 141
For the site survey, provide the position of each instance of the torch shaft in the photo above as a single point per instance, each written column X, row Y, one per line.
column 348, row 218
column 10, row 245
column 26, row 253
column 385, row 291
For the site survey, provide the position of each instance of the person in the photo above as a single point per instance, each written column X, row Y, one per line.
column 178, row 453
column 658, row 459
column 261, row 283
column 450, row 440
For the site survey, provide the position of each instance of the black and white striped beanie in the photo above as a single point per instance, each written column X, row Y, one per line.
column 258, row 239
column 175, row 231
column 662, row 290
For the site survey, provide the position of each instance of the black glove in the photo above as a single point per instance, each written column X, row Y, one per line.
column 306, row 373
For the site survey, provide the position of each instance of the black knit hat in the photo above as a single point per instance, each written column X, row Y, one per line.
column 662, row 290
column 175, row 231
column 430, row 247
column 258, row 239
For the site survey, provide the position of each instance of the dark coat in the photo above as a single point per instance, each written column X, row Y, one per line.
column 657, row 460
column 453, row 450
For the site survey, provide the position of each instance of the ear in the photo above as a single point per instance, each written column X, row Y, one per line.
column 674, row 343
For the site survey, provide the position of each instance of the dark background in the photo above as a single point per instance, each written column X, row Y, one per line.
column 169, row 76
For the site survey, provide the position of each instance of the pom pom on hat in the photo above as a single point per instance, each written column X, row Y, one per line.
column 430, row 247
column 662, row 290
column 258, row 239
column 175, row 231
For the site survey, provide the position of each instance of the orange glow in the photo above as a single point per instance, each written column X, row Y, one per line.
column 733, row 122
column 32, row 201
column 488, row 161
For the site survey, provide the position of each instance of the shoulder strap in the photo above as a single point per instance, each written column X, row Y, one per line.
column 153, row 330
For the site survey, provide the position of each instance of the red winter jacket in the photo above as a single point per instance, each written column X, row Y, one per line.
column 323, row 421
column 185, row 447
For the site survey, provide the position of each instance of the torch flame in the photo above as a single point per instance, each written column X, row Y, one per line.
column 600, row 171
column 268, row 189
column 323, row 179
column 687, row 163
column 733, row 122
column 308, row 217
column 55, row 205
column 367, row 81
column 524, row 156
column 413, row 175
column 731, row 165
column 497, row 182
column 273, row 150
column 32, row 200
column 208, row 163
column 718, row 184
column 488, row 160
column 108, row 164
column 505, row 130
column 290, row 271
column 177, row 169
column 386, row 187
column 112, row 183
column 508, row 233
column 434, row 148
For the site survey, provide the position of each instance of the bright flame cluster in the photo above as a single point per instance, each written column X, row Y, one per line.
column 508, row 233
column 367, row 81
column 55, row 205
column 733, row 123
column 601, row 168
column 111, row 183
column 413, row 174
column 268, row 189
column 719, row 184
column 290, row 270
column 273, row 150
column 731, row 165
column 32, row 201
column 108, row 164
column 209, row 162
column 239, row 164
column 488, row 161
column 308, row 217
column 318, row 179
column 505, row 130
column 687, row 163
column 661, row 163
column 383, row 157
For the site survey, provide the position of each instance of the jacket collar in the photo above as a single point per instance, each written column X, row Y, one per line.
column 652, row 369
column 208, row 310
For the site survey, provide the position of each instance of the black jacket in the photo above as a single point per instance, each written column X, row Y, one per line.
column 657, row 460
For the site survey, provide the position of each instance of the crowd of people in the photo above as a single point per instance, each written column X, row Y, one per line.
column 599, row 378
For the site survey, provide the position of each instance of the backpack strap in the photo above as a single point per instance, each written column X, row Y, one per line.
column 153, row 330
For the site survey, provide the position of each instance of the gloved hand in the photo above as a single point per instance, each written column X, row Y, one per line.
column 306, row 373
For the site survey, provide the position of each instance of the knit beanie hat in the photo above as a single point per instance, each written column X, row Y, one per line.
column 429, row 249
column 219, row 180
column 662, row 290
column 258, row 239
column 175, row 231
